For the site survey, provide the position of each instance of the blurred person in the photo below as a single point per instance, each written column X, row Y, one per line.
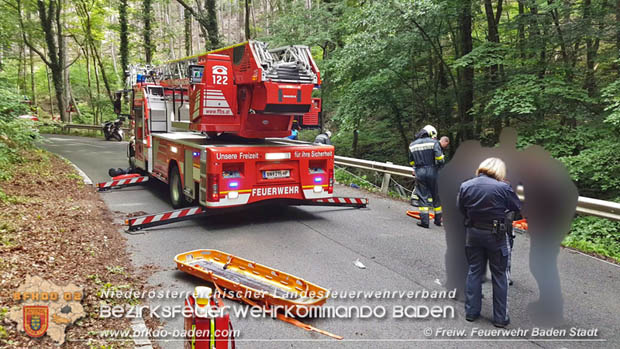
column 426, row 157
column 484, row 201
column 550, row 202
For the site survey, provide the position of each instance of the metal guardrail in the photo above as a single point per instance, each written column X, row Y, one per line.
column 80, row 127
column 585, row 205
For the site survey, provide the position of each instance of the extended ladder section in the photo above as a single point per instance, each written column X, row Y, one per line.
column 245, row 89
column 291, row 64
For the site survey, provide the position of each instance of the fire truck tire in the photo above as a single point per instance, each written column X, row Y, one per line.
column 177, row 197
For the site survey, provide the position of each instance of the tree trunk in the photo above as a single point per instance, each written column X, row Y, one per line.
column 537, row 34
column 247, row 20
column 208, row 23
column 146, row 18
column 32, row 80
column 20, row 82
column 466, row 90
column 188, row 32
column 114, row 62
column 98, row 116
column 492, row 24
column 54, row 54
column 212, row 29
column 354, row 146
column 103, row 73
column 521, row 30
column 49, row 90
column 124, row 36
column 240, row 20
column 618, row 34
column 563, row 47
column 590, row 82
column 91, row 101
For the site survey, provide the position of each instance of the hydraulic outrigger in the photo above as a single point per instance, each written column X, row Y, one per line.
column 168, row 217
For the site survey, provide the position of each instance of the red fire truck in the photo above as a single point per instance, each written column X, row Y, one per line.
column 212, row 127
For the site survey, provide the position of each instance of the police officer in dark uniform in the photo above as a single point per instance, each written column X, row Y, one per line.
column 426, row 156
column 484, row 201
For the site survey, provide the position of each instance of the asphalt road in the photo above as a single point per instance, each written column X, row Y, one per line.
column 321, row 244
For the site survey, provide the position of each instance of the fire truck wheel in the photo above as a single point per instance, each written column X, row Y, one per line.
column 177, row 198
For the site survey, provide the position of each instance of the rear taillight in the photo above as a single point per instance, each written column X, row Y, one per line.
column 213, row 188
column 330, row 186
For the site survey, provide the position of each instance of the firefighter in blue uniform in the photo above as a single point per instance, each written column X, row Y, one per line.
column 484, row 201
column 426, row 156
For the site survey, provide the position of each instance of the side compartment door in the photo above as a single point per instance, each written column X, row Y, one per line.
column 188, row 173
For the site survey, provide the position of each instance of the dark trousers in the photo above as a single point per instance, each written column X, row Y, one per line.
column 482, row 246
column 427, row 193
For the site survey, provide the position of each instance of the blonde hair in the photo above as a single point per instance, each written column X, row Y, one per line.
column 493, row 167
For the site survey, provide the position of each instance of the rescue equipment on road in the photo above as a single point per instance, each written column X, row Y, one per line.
column 520, row 226
column 255, row 284
column 416, row 214
column 207, row 327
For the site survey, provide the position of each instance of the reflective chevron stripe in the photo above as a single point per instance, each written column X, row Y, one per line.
column 120, row 182
column 131, row 222
column 344, row 200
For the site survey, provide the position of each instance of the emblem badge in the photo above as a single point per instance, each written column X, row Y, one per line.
column 35, row 320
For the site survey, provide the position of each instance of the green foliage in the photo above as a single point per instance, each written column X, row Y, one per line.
column 348, row 178
column 485, row 55
column 15, row 134
column 611, row 97
column 589, row 152
column 526, row 95
column 595, row 235
column 11, row 104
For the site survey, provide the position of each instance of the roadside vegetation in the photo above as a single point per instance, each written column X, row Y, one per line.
column 55, row 227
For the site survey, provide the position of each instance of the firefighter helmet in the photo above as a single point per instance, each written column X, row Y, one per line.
column 432, row 132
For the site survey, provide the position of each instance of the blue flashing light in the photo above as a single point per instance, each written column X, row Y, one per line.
column 318, row 179
column 233, row 184
column 196, row 154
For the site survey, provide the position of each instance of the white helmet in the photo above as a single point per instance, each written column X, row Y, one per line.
column 328, row 133
column 432, row 132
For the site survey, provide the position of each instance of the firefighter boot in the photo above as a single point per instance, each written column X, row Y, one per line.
column 423, row 219
column 438, row 219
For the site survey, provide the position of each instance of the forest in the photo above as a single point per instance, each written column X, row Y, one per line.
column 549, row 68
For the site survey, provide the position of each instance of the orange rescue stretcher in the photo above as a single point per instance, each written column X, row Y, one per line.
column 255, row 284
column 416, row 214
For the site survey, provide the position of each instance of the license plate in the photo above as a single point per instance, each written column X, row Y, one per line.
column 272, row 174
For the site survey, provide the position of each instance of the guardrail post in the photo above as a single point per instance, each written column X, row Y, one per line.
column 385, row 185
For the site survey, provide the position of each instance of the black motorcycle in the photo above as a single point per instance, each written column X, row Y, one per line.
column 113, row 129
